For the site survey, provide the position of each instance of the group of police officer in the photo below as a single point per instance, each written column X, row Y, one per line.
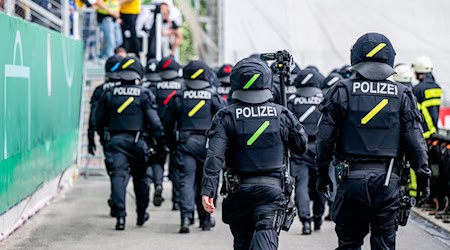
column 231, row 122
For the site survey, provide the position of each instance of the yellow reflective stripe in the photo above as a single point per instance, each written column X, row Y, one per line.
column 428, row 120
column 412, row 184
column 125, row 104
column 197, row 107
column 128, row 63
column 376, row 50
column 433, row 93
column 374, row 111
column 419, row 106
column 431, row 103
column 197, row 73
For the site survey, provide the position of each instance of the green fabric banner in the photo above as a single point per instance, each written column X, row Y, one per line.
column 40, row 92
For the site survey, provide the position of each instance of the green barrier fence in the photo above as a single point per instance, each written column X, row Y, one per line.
column 40, row 92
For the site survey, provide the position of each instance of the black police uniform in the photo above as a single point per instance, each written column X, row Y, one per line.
column 223, row 74
column 250, row 138
column 164, row 90
column 304, row 104
column 368, row 122
column 428, row 94
column 192, row 111
column 128, row 111
column 112, row 79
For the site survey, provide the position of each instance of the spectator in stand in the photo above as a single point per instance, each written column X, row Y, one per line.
column 129, row 10
column 109, row 20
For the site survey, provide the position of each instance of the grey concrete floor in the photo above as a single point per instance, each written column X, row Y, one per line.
column 79, row 220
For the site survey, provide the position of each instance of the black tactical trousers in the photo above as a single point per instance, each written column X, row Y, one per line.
column 125, row 158
column 250, row 213
column 193, row 154
column 174, row 176
column 363, row 203
column 303, row 170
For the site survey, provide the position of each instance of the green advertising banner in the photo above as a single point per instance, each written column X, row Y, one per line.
column 40, row 92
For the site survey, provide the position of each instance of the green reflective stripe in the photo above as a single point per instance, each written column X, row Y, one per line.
column 258, row 133
column 251, row 81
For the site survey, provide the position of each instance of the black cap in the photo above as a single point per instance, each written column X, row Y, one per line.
column 223, row 73
column 112, row 67
column 331, row 79
column 373, row 56
column 309, row 77
column 251, row 81
column 196, row 75
column 168, row 68
column 151, row 72
column 131, row 69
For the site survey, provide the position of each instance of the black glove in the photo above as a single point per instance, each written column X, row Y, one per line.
column 91, row 146
column 324, row 184
column 423, row 189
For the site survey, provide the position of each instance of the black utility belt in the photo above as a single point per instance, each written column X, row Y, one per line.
column 381, row 166
column 133, row 133
column 262, row 180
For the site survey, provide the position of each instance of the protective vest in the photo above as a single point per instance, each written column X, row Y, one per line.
column 372, row 125
column 307, row 111
column 223, row 91
column 113, row 5
column 164, row 92
column 125, row 113
column 428, row 96
column 257, row 145
column 133, row 7
column 197, row 110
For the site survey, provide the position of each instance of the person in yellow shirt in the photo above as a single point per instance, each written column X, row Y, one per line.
column 129, row 10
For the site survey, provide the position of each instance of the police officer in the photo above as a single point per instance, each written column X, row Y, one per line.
column 128, row 110
column 111, row 80
column 192, row 111
column 368, row 122
column 428, row 94
column 151, row 73
column 251, row 137
column 164, row 90
column 290, row 89
column 330, row 80
column 223, row 74
column 404, row 75
column 304, row 104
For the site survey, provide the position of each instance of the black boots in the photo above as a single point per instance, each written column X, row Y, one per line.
column 157, row 196
column 120, row 225
column 141, row 219
column 306, row 228
column 317, row 224
column 184, row 228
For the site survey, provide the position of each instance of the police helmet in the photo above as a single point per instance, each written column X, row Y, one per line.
column 151, row 72
column 309, row 77
column 196, row 75
column 251, row 81
column 372, row 56
column 168, row 68
column 403, row 73
column 112, row 67
column 223, row 73
column 422, row 64
column 131, row 69
column 331, row 79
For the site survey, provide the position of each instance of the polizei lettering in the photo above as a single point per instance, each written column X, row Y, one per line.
column 383, row 88
column 168, row 85
column 127, row 91
column 196, row 94
column 256, row 111
column 223, row 90
column 307, row 100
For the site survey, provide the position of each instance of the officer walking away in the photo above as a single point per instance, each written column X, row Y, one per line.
column 164, row 90
column 151, row 74
column 304, row 104
column 330, row 80
column 192, row 110
column 369, row 122
column 251, row 138
column 128, row 110
column 223, row 73
column 404, row 75
column 428, row 94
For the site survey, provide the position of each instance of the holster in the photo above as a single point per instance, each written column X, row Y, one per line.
column 232, row 181
column 406, row 203
column 106, row 136
column 342, row 170
column 284, row 218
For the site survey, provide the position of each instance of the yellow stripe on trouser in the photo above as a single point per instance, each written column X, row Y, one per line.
column 374, row 111
column 125, row 104
column 197, row 107
column 426, row 115
column 412, row 184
